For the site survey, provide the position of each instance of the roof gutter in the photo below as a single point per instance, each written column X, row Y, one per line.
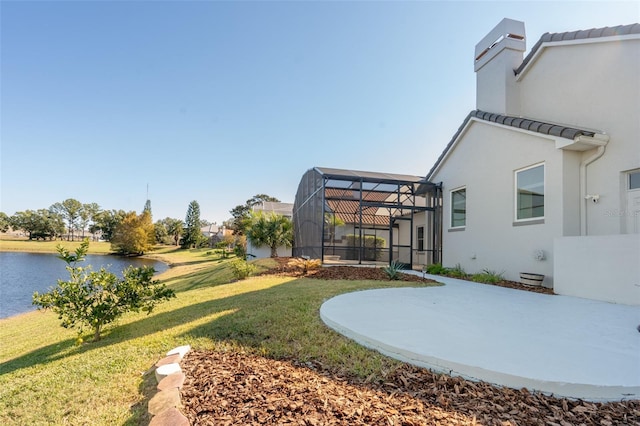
column 600, row 141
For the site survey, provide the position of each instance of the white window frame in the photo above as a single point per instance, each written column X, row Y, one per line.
column 458, row 189
column 515, row 193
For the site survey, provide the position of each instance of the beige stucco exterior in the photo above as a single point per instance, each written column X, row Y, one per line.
column 591, row 84
column 604, row 95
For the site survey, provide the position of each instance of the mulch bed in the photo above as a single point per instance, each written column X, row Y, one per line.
column 370, row 273
column 231, row 388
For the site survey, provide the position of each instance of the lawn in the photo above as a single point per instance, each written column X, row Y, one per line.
column 45, row 378
column 21, row 244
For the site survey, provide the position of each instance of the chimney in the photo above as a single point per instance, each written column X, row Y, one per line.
column 498, row 54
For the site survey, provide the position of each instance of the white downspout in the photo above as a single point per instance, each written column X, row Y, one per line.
column 602, row 143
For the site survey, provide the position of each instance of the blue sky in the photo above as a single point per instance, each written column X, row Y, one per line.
column 219, row 101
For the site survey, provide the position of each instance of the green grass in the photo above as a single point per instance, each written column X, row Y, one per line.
column 46, row 379
column 7, row 244
column 488, row 276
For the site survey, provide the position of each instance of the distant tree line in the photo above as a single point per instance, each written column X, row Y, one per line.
column 133, row 234
column 128, row 232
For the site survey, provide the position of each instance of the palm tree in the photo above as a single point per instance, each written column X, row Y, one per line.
column 269, row 229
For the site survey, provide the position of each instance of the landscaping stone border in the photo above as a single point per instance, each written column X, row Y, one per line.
column 165, row 405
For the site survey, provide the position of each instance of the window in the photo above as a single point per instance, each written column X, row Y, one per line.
column 530, row 193
column 634, row 180
column 420, row 233
column 459, row 208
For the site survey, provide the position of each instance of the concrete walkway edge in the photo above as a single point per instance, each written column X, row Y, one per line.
column 375, row 320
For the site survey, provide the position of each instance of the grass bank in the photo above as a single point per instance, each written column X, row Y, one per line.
column 46, row 379
column 21, row 244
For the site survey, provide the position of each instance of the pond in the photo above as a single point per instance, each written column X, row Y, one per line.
column 23, row 273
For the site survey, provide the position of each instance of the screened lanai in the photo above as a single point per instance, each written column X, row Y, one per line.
column 349, row 216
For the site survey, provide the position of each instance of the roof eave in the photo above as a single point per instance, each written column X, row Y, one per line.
column 595, row 35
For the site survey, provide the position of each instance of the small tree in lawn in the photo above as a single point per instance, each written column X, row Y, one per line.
column 94, row 299
column 269, row 229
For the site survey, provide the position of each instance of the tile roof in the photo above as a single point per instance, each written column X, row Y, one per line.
column 346, row 205
column 578, row 35
column 517, row 122
column 349, row 213
column 531, row 125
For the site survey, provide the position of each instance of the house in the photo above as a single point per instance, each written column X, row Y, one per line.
column 283, row 209
column 215, row 233
column 544, row 176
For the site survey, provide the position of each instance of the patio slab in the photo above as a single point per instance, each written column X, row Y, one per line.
column 559, row 345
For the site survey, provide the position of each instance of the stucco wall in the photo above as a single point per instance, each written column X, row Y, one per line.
column 261, row 252
column 485, row 160
column 603, row 94
column 603, row 268
column 589, row 84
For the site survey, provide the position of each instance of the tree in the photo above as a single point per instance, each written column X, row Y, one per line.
column 160, row 230
column 41, row 224
column 95, row 299
column 70, row 210
column 4, row 222
column 192, row 234
column 269, row 229
column 241, row 212
column 88, row 214
column 106, row 222
column 173, row 228
column 147, row 207
column 134, row 235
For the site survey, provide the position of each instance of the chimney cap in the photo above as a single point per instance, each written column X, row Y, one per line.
column 508, row 34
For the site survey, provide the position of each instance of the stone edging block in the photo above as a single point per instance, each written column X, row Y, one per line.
column 164, row 406
column 172, row 417
column 167, row 369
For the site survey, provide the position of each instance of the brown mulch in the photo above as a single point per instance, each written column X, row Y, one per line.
column 359, row 273
column 370, row 273
column 230, row 388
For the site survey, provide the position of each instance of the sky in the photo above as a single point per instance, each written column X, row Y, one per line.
column 216, row 101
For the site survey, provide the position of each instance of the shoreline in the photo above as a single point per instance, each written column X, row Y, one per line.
column 49, row 247
column 155, row 258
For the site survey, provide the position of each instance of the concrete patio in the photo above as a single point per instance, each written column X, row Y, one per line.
column 559, row 345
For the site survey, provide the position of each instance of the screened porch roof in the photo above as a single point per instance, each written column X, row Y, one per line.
column 377, row 196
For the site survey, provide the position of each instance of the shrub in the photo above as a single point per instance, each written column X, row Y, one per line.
column 393, row 270
column 304, row 264
column 95, row 299
column 242, row 269
column 222, row 248
column 240, row 251
column 488, row 277
column 457, row 272
column 436, row 269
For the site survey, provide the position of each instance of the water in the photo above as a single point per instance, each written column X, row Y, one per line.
column 23, row 273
